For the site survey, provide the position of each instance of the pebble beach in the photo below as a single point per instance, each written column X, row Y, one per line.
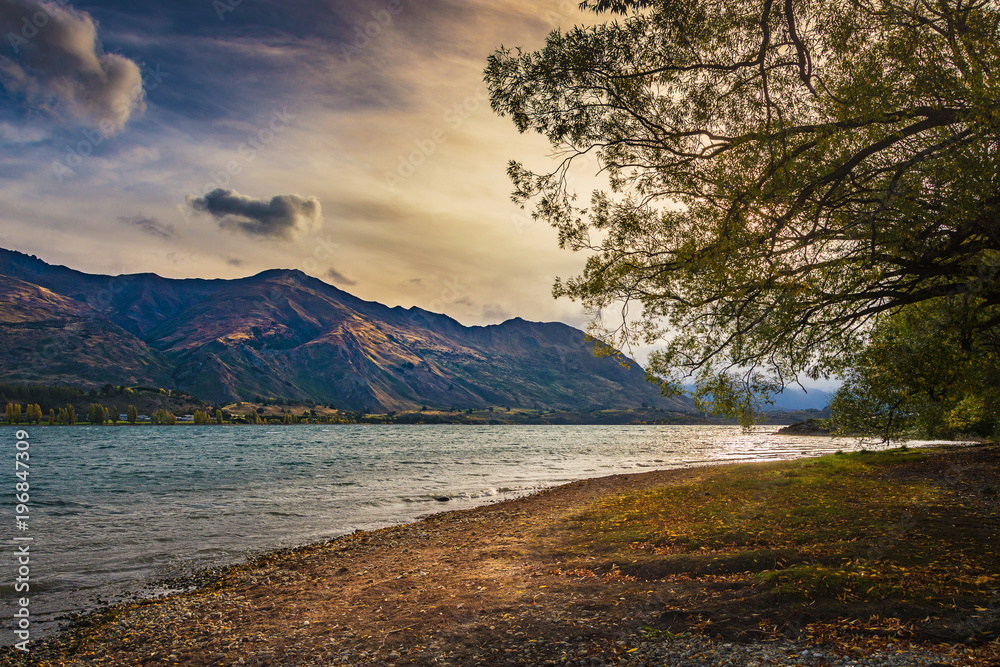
column 486, row 586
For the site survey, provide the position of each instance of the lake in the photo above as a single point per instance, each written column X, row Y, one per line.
column 112, row 508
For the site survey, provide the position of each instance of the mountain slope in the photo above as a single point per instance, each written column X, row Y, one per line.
column 50, row 338
column 284, row 334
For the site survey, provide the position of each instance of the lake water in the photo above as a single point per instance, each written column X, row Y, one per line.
column 114, row 507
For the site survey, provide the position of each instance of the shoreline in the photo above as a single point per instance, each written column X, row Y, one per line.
column 541, row 457
column 423, row 592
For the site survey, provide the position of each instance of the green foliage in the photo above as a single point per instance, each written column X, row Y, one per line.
column 67, row 415
column 132, row 414
column 725, row 394
column 47, row 396
column 931, row 369
column 12, row 415
column 34, row 413
column 97, row 414
column 163, row 418
column 651, row 634
column 218, row 416
column 201, row 417
column 779, row 174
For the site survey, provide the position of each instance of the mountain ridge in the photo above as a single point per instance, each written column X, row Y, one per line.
column 283, row 333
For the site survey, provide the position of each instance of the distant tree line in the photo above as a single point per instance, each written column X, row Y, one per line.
column 97, row 414
column 32, row 414
column 54, row 404
column 162, row 418
column 48, row 397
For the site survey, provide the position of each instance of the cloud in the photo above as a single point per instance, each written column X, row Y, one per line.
column 21, row 135
column 338, row 277
column 150, row 226
column 234, row 261
column 284, row 216
column 494, row 313
column 58, row 63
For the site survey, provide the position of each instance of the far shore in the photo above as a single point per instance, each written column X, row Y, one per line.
column 737, row 557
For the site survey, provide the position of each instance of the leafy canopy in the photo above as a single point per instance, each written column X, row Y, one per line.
column 782, row 174
column 928, row 370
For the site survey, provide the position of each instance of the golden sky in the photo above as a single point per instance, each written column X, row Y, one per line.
column 352, row 140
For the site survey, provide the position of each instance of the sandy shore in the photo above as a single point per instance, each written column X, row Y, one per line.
column 495, row 585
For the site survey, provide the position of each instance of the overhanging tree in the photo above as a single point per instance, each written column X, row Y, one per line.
column 782, row 173
column 928, row 369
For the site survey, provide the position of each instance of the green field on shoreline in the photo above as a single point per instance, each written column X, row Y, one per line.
column 900, row 534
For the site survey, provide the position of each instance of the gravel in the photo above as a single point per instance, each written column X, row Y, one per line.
column 634, row 651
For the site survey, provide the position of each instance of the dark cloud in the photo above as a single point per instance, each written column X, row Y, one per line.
column 282, row 50
column 339, row 278
column 58, row 64
column 234, row 261
column 284, row 216
column 151, row 226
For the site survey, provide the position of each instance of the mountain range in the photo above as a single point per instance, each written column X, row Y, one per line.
column 284, row 334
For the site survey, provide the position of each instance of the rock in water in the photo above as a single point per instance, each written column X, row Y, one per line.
column 808, row 427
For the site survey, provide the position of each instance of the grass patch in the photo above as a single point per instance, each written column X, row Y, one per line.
column 891, row 531
column 770, row 506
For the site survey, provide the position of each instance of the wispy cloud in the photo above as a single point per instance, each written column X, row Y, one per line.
column 21, row 135
column 339, row 278
column 283, row 216
column 150, row 226
column 495, row 313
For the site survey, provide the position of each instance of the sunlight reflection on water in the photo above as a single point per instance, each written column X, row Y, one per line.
column 113, row 507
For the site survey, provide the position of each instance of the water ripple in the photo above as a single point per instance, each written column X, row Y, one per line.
column 123, row 505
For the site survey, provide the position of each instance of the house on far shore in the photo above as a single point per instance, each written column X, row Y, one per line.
column 123, row 417
column 186, row 418
column 142, row 418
